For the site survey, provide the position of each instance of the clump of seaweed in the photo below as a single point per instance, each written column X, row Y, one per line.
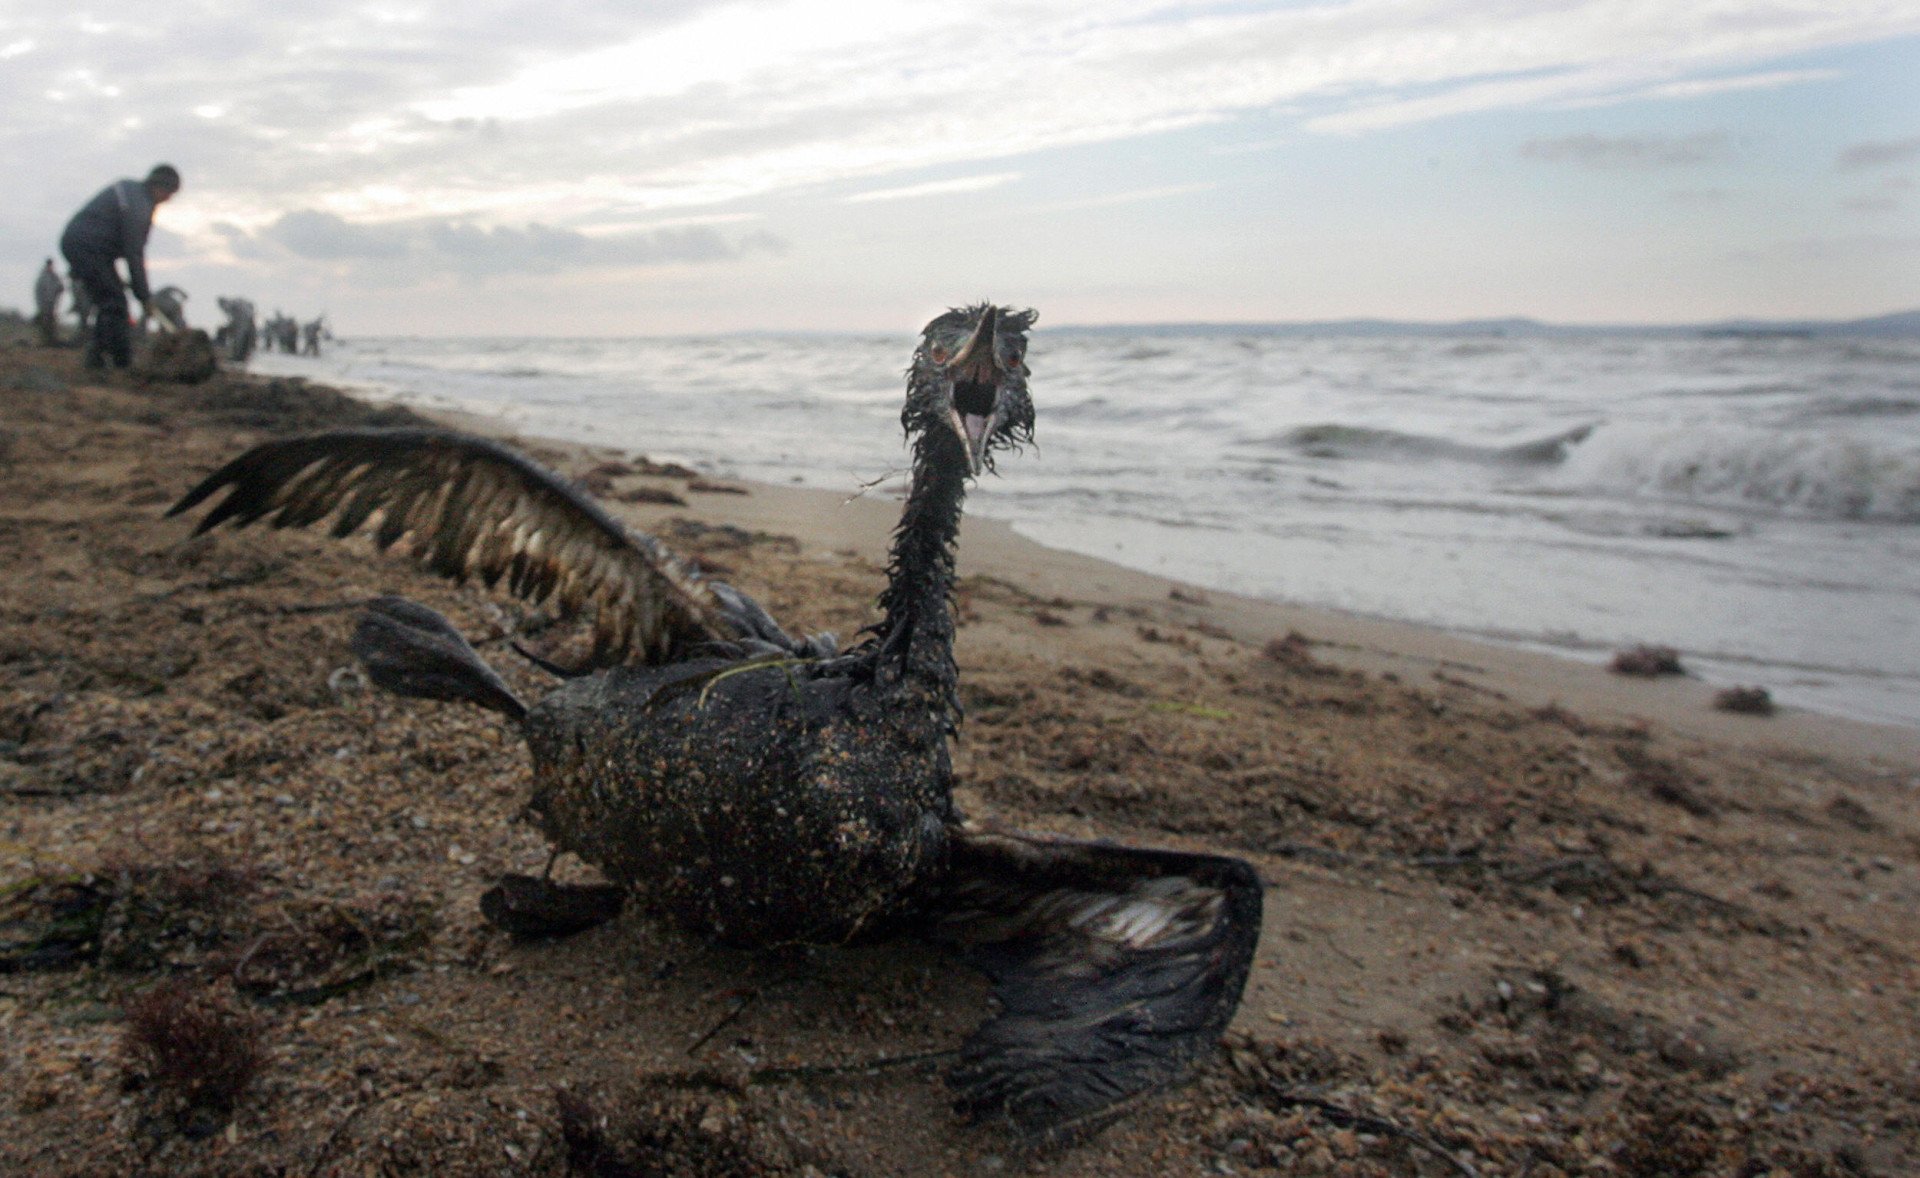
column 323, row 949
column 1748, row 701
column 666, row 1139
column 1292, row 648
column 129, row 913
column 196, row 1049
column 1668, row 781
column 167, row 911
column 1647, row 662
column 1294, row 651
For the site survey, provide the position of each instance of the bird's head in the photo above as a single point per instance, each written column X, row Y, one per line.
column 969, row 379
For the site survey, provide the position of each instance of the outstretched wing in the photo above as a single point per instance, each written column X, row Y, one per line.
column 1115, row 968
column 475, row 508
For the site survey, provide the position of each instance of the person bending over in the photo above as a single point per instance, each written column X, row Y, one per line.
column 114, row 225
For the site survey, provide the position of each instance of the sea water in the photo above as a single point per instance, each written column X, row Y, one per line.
column 1753, row 501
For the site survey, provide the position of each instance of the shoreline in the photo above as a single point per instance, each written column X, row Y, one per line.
column 1540, row 684
column 1552, row 920
column 824, row 521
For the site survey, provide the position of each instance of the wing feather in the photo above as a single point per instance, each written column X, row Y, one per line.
column 1116, row 969
column 472, row 508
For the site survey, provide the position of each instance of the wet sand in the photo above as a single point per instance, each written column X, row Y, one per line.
column 1544, row 918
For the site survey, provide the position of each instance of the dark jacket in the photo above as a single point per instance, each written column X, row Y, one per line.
column 115, row 223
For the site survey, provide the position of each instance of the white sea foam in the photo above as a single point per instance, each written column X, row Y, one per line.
column 1824, row 473
column 1754, row 502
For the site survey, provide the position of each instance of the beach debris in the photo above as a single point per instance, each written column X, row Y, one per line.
column 643, row 494
column 1687, row 529
column 127, row 915
column 169, row 306
column 643, row 465
column 598, row 480
column 1667, row 781
column 347, row 680
column 1849, row 812
column 1748, row 701
column 284, row 405
column 1292, row 648
column 34, row 380
column 181, row 357
column 655, row 1134
column 320, row 949
column 1293, row 651
column 200, row 1053
column 1647, row 662
column 765, row 790
column 1157, row 635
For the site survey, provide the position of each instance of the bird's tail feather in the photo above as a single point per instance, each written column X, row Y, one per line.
column 413, row 651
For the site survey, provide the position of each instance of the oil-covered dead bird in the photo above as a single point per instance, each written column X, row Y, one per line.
column 764, row 790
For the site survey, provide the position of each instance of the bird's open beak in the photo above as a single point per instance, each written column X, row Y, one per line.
column 976, row 374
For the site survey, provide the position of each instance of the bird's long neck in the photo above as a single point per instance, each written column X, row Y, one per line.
column 916, row 634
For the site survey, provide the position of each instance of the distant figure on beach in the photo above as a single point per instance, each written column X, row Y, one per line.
column 312, row 333
column 237, row 336
column 47, row 290
column 283, row 332
column 111, row 226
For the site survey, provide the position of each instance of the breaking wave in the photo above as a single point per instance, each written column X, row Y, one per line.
column 1820, row 475
column 1364, row 442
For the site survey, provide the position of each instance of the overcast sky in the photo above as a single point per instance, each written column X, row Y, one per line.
column 565, row 167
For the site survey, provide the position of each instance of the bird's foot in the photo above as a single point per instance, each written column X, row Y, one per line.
column 538, row 907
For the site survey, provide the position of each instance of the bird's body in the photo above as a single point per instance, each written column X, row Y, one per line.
column 760, row 806
column 762, row 790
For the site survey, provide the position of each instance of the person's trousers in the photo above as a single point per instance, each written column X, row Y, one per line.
column 112, row 340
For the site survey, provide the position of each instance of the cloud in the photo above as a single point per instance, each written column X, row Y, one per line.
column 541, row 249
column 1888, row 196
column 1878, row 153
column 1871, row 247
column 327, row 238
column 506, row 110
column 1696, row 197
column 1630, row 151
column 1131, row 196
column 514, row 136
column 935, row 188
column 1703, row 87
column 437, row 245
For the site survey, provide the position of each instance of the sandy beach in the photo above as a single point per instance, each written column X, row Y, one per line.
column 1524, row 916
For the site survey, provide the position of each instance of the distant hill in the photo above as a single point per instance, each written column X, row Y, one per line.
column 1898, row 324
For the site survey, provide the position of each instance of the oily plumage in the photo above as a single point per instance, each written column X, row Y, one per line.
column 761, row 790
column 1116, row 968
column 475, row 509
